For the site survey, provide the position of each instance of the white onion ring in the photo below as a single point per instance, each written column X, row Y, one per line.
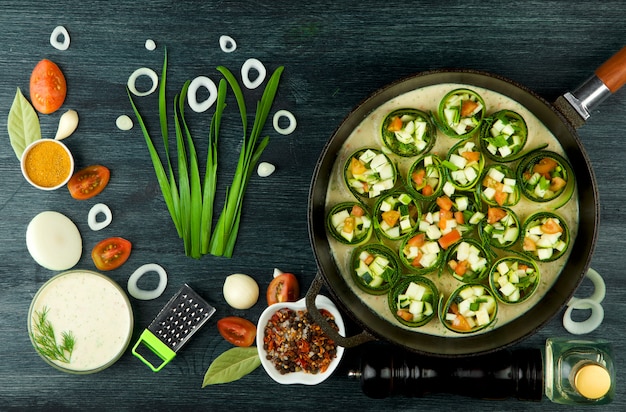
column 142, row 71
column 289, row 116
column 142, row 294
column 245, row 73
column 599, row 289
column 227, row 44
column 54, row 38
column 586, row 326
column 93, row 214
column 192, row 96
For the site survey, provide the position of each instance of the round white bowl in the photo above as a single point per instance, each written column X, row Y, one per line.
column 303, row 378
column 49, row 141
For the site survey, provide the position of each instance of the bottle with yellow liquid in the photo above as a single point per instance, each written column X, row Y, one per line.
column 579, row 371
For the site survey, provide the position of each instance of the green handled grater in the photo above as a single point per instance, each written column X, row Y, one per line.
column 179, row 319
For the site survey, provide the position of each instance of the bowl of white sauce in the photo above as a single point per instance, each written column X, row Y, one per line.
column 80, row 322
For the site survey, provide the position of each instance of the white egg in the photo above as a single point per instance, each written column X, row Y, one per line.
column 241, row 291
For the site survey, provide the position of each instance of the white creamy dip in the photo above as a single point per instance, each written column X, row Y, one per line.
column 94, row 309
column 367, row 134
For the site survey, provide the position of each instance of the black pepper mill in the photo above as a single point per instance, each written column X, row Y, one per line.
column 386, row 372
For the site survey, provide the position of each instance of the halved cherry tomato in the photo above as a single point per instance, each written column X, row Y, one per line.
column 88, row 182
column 111, row 253
column 283, row 288
column 47, row 87
column 236, row 330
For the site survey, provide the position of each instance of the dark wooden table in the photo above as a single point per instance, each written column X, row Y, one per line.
column 335, row 54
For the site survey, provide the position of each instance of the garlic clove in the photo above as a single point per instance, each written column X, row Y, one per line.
column 67, row 124
column 265, row 169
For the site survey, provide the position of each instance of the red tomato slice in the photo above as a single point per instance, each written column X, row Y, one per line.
column 283, row 288
column 47, row 87
column 236, row 330
column 111, row 253
column 88, row 182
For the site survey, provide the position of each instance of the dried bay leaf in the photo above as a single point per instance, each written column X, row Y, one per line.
column 22, row 124
column 232, row 365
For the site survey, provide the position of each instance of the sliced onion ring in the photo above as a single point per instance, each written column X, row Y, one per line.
column 586, row 326
column 192, row 94
column 245, row 73
column 142, row 294
column 60, row 31
column 227, row 44
column 289, row 116
column 97, row 209
column 599, row 291
column 142, row 71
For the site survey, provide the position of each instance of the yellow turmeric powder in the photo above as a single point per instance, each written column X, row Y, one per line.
column 47, row 164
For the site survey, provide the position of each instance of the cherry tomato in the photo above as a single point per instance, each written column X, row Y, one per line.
column 283, row 288
column 47, row 87
column 111, row 253
column 88, row 182
column 236, row 330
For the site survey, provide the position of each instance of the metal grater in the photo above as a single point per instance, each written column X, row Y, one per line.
column 180, row 318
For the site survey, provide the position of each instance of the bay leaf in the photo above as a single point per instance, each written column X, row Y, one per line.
column 232, row 365
column 22, row 124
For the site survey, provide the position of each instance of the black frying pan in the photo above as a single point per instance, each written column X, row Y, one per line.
column 569, row 112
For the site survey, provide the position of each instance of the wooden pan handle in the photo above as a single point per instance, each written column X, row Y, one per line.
column 613, row 71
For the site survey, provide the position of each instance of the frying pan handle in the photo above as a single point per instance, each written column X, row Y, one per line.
column 346, row 342
column 606, row 80
column 613, row 71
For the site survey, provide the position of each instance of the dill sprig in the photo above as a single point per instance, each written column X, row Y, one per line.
column 45, row 340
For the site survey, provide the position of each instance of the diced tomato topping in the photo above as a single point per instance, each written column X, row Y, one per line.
column 369, row 259
column 418, row 177
column 458, row 216
column 471, row 156
column 461, row 268
column 468, row 107
column 444, row 216
column 348, row 224
column 357, row 211
column 449, row 238
column 395, row 124
column 460, row 323
column 417, row 240
column 391, row 217
column 551, row 226
column 501, row 197
column 357, row 167
column 444, row 203
column 427, row 190
column 545, row 166
column 529, row 245
column 416, row 260
column 405, row 314
column 557, row 183
column 495, row 214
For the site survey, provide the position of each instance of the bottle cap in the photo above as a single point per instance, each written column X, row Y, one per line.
column 592, row 381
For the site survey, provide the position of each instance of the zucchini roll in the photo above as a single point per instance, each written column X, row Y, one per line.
column 426, row 177
column 503, row 135
column 464, row 166
column 408, row 132
column 499, row 186
column 546, row 236
column 461, row 113
column 396, row 215
column 469, row 308
column 350, row 223
column 501, row 229
column 413, row 301
column 369, row 173
column 545, row 176
column 468, row 261
column 374, row 268
column 514, row 279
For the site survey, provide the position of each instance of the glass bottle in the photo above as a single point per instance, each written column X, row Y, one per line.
column 579, row 371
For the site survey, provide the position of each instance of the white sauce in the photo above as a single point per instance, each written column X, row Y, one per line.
column 94, row 309
column 367, row 134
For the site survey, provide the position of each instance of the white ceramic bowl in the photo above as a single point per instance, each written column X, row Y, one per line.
column 303, row 378
column 48, row 167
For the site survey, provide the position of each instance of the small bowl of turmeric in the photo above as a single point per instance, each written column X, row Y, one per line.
column 47, row 164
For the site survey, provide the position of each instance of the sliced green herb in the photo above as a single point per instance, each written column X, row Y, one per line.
column 45, row 340
column 232, row 365
column 22, row 124
column 225, row 233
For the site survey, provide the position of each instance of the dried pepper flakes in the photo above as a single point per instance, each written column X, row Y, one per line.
column 294, row 343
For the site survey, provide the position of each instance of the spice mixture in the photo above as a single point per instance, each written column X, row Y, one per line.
column 47, row 164
column 294, row 343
